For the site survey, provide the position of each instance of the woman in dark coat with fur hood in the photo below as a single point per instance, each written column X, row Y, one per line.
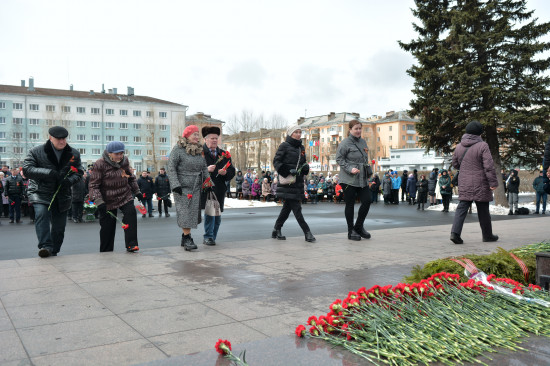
column 290, row 159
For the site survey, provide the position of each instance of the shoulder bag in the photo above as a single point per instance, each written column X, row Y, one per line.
column 290, row 179
column 454, row 181
column 367, row 166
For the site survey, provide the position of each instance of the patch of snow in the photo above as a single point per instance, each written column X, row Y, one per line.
column 493, row 209
column 236, row 203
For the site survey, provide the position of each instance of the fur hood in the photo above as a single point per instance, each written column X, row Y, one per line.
column 191, row 149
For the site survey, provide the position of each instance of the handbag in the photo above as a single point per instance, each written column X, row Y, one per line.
column 290, row 179
column 454, row 181
column 367, row 166
column 212, row 207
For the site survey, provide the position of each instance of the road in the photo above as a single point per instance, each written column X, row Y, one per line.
column 254, row 223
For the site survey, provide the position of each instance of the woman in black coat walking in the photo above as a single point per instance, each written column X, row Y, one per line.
column 290, row 160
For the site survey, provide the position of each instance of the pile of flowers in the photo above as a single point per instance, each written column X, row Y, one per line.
column 438, row 319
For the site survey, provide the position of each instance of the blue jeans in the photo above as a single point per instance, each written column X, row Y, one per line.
column 211, row 226
column 541, row 196
column 51, row 239
column 15, row 209
column 148, row 202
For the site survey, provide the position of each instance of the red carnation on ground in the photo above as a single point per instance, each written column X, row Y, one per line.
column 189, row 196
column 223, row 347
column 300, row 331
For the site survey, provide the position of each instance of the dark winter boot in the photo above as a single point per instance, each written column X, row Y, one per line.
column 309, row 237
column 362, row 232
column 422, row 207
column 276, row 234
column 455, row 238
column 187, row 242
column 353, row 235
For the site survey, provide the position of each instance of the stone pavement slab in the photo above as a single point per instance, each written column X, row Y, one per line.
column 166, row 306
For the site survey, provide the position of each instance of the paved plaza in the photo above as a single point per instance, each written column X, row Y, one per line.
column 166, row 306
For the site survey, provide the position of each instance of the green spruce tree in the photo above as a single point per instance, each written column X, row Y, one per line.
column 482, row 60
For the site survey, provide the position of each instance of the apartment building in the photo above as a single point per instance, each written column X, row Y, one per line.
column 148, row 126
column 254, row 150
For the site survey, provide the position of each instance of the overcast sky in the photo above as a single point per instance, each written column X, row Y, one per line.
column 220, row 57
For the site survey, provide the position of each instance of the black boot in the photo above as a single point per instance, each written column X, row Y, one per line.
column 187, row 242
column 362, row 232
column 510, row 212
column 276, row 234
column 309, row 237
column 490, row 238
column 353, row 235
column 422, row 207
column 455, row 238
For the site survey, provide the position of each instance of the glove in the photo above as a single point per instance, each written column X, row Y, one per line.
column 139, row 196
column 177, row 190
column 102, row 209
column 293, row 171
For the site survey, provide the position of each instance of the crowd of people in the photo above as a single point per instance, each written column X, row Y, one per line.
column 51, row 186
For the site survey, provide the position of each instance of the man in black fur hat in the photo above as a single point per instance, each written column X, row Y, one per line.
column 216, row 160
column 52, row 168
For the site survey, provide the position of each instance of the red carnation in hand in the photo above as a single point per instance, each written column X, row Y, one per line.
column 300, row 330
column 12, row 203
column 227, row 155
column 73, row 169
column 223, row 347
column 144, row 195
column 189, row 196
column 125, row 226
column 159, row 199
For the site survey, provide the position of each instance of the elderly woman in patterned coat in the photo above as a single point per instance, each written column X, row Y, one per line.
column 187, row 171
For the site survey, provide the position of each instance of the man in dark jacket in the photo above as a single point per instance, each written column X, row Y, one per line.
column 404, row 178
column 476, row 182
column 538, row 186
column 147, row 188
column 162, row 187
column 432, row 184
column 14, row 191
column 52, row 168
column 220, row 173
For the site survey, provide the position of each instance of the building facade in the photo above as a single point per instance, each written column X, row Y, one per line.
column 254, row 150
column 201, row 120
column 414, row 158
column 148, row 127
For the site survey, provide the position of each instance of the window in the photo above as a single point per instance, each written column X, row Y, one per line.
column 124, row 126
column 109, row 138
column 17, row 135
column 109, row 125
column 163, row 114
column 50, row 122
column 18, row 121
column 149, row 152
column 33, row 121
column 149, row 140
column 410, row 128
column 123, row 138
column 416, row 138
column 137, row 113
column 95, row 124
column 34, row 136
column 96, row 151
column 124, row 112
column 2, row 105
column 378, row 139
column 95, row 111
column 80, row 110
column 50, row 108
column 163, row 127
column 3, row 150
column 403, row 137
column 404, row 127
column 391, row 138
column 80, row 137
column 163, row 140
column 149, row 114
column 137, row 139
column 65, row 123
column 18, row 106
column 137, row 152
column 109, row 112
column 378, row 149
column 34, row 107
column 80, row 123
column 82, row 151
column 150, row 126
column 2, row 135
column 2, row 120
column 163, row 152
column 17, row 150
column 378, row 129
column 66, row 109
column 391, row 128
column 137, row 126
column 95, row 137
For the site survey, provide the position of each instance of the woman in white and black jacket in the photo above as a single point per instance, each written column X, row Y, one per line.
column 352, row 156
column 290, row 159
